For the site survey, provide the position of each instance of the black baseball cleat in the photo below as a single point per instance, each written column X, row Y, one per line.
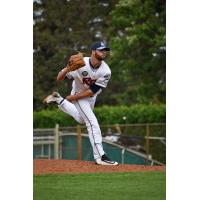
column 104, row 160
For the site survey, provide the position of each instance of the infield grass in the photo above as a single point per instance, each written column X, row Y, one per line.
column 101, row 186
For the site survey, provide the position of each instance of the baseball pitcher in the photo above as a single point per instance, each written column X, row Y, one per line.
column 90, row 76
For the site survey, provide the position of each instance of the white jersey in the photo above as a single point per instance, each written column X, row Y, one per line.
column 87, row 75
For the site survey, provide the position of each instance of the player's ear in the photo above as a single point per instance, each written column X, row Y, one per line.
column 93, row 52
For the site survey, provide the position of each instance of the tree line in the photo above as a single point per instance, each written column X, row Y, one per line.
column 134, row 30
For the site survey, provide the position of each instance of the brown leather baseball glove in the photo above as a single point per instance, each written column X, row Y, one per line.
column 75, row 62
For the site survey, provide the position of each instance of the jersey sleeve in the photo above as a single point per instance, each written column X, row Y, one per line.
column 103, row 80
column 68, row 75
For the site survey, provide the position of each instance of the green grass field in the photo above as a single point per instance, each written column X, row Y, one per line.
column 108, row 186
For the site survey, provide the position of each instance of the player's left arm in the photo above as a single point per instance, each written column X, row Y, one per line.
column 94, row 88
column 86, row 93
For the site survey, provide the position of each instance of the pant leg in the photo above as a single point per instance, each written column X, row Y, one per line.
column 85, row 109
column 71, row 110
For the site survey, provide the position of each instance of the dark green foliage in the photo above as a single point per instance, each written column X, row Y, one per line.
column 62, row 28
column 134, row 114
column 48, row 119
column 134, row 29
column 138, row 55
column 105, row 115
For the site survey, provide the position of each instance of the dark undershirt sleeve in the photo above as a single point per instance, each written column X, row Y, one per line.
column 95, row 88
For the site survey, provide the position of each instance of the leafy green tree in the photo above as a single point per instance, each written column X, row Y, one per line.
column 138, row 52
column 62, row 28
column 135, row 30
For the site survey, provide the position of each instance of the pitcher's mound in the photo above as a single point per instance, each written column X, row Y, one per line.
column 75, row 166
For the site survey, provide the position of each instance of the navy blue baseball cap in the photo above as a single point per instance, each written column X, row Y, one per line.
column 100, row 46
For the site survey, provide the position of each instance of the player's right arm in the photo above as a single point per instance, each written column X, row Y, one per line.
column 62, row 74
column 75, row 62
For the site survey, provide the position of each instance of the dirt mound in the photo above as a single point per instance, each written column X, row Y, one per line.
column 75, row 166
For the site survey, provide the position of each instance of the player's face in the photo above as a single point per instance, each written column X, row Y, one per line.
column 101, row 54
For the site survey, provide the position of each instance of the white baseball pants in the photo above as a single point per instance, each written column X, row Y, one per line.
column 82, row 112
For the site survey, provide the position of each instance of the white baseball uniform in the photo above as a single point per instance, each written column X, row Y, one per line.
column 82, row 110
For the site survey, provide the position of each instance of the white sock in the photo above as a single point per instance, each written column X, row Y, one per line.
column 59, row 100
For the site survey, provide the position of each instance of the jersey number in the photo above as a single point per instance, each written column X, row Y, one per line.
column 88, row 81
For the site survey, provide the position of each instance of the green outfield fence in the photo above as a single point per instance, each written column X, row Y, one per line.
column 126, row 143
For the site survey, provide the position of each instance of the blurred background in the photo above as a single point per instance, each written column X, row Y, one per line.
column 134, row 100
column 134, row 29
